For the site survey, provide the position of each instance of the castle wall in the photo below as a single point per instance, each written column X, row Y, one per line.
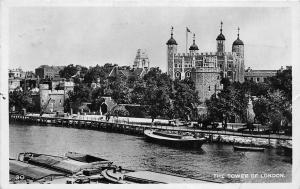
column 207, row 82
column 57, row 101
column 56, row 98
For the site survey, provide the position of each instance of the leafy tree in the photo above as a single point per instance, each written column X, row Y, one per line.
column 80, row 94
column 185, row 99
column 98, row 72
column 138, row 93
column 229, row 103
column 158, row 101
column 273, row 110
column 22, row 99
column 68, row 71
column 283, row 82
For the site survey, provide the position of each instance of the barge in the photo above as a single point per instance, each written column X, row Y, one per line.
column 173, row 139
column 248, row 148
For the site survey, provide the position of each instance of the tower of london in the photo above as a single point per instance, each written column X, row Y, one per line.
column 207, row 69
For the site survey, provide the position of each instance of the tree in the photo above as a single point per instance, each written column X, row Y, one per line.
column 81, row 93
column 68, row 71
column 22, row 99
column 138, row 92
column 272, row 110
column 283, row 82
column 158, row 101
column 229, row 103
column 185, row 99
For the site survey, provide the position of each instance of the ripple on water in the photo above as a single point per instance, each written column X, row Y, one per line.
column 135, row 153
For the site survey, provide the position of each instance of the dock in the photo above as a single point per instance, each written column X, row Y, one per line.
column 125, row 127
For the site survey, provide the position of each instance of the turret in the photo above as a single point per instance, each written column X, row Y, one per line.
column 238, row 49
column 238, row 46
column 193, row 48
column 221, row 41
column 171, row 50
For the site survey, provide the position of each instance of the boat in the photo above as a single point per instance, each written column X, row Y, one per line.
column 248, row 148
column 116, row 175
column 89, row 164
column 87, row 158
column 123, row 176
column 24, row 172
column 174, row 139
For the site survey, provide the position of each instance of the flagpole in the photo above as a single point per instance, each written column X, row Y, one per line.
column 186, row 39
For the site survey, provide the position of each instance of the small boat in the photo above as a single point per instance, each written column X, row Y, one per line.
column 116, row 175
column 248, row 148
column 172, row 139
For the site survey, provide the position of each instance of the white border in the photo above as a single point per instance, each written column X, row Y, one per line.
column 4, row 126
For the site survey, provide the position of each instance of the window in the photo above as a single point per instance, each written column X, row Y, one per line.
column 177, row 74
column 187, row 74
column 258, row 79
column 175, row 65
column 208, row 88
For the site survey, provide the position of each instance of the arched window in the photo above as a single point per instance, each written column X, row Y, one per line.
column 188, row 74
column 208, row 88
column 177, row 75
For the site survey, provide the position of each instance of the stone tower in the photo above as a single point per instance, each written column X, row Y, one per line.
column 44, row 95
column 221, row 41
column 207, row 80
column 141, row 59
column 171, row 51
column 238, row 50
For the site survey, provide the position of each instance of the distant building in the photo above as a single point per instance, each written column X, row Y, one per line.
column 258, row 76
column 46, row 71
column 16, row 73
column 13, row 84
column 20, row 78
column 141, row 65
column 127, row 72
column 141, row 59
column 53, row 100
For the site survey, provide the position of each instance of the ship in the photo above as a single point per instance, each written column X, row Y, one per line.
column 174, row 139
column 248, row 148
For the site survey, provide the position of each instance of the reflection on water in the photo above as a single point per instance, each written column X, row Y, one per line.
column 134, row 152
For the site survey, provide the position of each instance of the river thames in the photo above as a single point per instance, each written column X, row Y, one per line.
column 214, row 161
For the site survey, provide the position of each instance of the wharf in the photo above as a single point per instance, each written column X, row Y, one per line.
column 129, row 128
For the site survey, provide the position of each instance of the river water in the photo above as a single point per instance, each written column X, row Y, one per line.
column 214, row 161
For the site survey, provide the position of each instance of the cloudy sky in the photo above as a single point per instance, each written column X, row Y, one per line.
column 97, row 35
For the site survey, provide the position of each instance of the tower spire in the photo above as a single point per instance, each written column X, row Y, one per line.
column 238, row 33
column 172, row 31
column 221, row 27
column 194, row 38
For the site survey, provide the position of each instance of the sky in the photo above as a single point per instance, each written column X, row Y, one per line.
column 98, row 35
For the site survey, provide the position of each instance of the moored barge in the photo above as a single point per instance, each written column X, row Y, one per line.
column 172, row 139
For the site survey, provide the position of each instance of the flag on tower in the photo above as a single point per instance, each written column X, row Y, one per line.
column 186, row 39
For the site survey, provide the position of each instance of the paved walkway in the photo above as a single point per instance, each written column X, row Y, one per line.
column 160, row 122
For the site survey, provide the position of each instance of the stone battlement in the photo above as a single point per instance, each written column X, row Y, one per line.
column 56, row 92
